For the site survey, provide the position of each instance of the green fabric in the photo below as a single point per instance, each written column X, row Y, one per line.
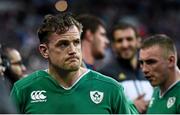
column 40, row 93
column 168, row 104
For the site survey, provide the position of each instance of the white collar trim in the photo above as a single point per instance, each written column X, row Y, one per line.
column 170, row 87
column 75, row 82
column 46, row 70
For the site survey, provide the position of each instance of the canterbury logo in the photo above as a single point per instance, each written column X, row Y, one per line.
column 38, row 96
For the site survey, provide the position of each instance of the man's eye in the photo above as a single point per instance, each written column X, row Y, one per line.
column 63, row 44
column 103, row 34
column 17, row 63
column 140, row 62
column 129, row 38
column 77, row 42
column 119, row 40
column 151, row 61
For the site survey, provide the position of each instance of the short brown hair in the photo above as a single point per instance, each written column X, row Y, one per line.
column 123, row 26
column 90, row 22
column 162, row 40
column 59, row 24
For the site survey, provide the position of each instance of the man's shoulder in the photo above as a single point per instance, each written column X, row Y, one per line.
column 30, row 79
column 178, row 84
column 176, row 88
column 100, row 78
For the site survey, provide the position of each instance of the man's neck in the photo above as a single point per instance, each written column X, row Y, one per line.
column 133, row 62
column 177, row 73
column 172, row 79
column 66, row 78
column 87, row 52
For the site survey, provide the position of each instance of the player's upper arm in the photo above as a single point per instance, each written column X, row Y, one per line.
column 121, row 103
column 15, row 98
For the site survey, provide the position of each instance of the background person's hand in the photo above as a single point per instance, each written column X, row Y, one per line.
column 2, row 69
column 141, row 104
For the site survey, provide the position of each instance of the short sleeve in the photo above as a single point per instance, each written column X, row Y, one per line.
column 121, row 104
column 14, row 95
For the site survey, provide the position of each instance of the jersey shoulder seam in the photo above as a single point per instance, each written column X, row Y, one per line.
column 107, row 79
column 30, row 79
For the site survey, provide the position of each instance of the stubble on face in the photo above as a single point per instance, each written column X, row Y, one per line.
column 100, row 43
column 154, row 66
column 125, row 43
column 65, row 50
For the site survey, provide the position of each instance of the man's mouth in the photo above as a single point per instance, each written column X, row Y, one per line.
column 72, row 58
column 149, row 78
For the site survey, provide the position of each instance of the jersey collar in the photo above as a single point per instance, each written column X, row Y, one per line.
column 69, row 88
column 170, row 87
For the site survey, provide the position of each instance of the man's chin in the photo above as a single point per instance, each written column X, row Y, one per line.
column 154, row 84
column 126, row 57
column 73, row 68
column 100, row 56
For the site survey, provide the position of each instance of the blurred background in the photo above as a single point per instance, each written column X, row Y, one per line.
column 19, row 20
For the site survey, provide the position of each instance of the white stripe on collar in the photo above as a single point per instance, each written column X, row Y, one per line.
column 46, row 70
column 171, row 86
column 75, row 82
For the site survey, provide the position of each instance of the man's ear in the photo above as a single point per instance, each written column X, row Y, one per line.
column 43, row 48
column 139, row 40
column 171, row 61
column 89, row 36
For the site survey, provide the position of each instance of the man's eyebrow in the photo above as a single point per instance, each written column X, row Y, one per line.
column 149, row 61
column 76, row 39
column 62, row 40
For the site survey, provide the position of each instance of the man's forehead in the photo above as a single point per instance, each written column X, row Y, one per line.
column 152, row 48
column 127, row 31
column 73, row 28
column 70, row 34
column 123, row 34
column 154, row 51
column 14, row 55
column 55, row 36
column 145, row 52
column 102, row 28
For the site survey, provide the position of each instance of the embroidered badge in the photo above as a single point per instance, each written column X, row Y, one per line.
column 171, row 102
column 96, row 96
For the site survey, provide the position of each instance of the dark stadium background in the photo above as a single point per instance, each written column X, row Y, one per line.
column 19, row 20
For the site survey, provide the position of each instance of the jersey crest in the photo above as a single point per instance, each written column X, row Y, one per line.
column 96, row 96
column 171, row 102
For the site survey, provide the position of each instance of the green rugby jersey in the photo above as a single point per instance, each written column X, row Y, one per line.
column 92, row 93
column 167, row 104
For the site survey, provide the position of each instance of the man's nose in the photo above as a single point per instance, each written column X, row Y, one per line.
column 23, row 67
column 107, row 42
column 72, row 49
column 125, row 43
column 144, row 68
